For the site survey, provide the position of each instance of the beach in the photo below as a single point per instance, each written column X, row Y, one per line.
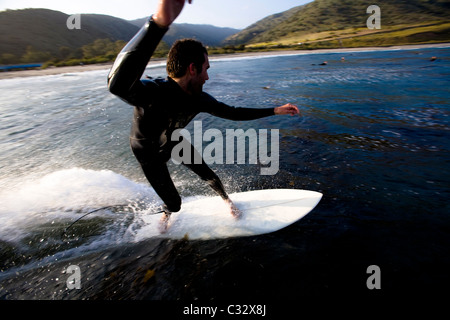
column 107, row 66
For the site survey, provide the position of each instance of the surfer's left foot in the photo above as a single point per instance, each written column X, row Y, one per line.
column 235, row 212
column 164, row 222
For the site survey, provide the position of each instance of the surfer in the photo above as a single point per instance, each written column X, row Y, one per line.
column 163, row 105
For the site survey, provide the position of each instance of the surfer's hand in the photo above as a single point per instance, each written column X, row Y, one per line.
column 168, row 11
column 287, row 109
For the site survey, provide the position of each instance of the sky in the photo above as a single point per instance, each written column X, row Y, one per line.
column 226, row 13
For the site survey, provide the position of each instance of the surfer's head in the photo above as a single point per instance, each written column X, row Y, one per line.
column 188, row 60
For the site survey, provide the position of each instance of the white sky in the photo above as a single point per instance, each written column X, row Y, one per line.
column 225, row 13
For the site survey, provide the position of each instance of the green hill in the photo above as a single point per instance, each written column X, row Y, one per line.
column 46, row 31
column 335, row 19
column 41, row 35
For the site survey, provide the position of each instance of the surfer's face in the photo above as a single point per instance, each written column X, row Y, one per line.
column 199, row 79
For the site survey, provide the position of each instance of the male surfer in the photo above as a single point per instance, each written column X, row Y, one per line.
column 163, row 105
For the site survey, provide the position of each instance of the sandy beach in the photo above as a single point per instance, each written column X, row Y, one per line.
column 107, row 66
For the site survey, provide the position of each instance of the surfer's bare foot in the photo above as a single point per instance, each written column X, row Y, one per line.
column 235, row 212
column 164, row 222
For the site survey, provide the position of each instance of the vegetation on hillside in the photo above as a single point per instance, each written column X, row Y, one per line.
column 41, row 35
column 38, row 35
column 100, row 51
column 421, row 33
column 337, row 15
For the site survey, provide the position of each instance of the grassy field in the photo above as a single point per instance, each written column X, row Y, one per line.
column 421, row 33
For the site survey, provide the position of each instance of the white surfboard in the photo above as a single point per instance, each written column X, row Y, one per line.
column 263, row 211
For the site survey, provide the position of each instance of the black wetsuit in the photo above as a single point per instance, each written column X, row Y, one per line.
column 162, row 106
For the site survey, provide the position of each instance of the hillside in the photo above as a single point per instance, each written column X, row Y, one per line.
column 207, row 34
column 41, row 35
column 46, row 30
column 262, row 28
column 38, row 35
column 305, row 22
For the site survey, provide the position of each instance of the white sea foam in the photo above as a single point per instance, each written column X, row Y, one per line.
column 62, row 194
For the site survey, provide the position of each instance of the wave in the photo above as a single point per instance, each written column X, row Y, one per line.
column 36, row 215
column 65, row 194
column 36, row 218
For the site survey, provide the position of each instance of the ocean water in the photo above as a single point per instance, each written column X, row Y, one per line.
column 373, row 137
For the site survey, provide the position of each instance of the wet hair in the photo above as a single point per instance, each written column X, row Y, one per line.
column 182, row 54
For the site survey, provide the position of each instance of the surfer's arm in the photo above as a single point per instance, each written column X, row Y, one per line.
column 239, row 114
column 124, row 77
column 222, row 110
column 242, row 114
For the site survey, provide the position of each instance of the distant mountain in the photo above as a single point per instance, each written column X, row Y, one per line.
column 331, row 15
column 46, row 30
column 207, row 34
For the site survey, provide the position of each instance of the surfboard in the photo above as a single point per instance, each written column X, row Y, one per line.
column 263, row 211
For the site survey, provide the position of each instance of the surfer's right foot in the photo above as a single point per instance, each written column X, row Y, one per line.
column 164, row 222
column 235, row 212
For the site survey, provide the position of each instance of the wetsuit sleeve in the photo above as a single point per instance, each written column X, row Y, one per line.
column 124, row 77
column 222, row 110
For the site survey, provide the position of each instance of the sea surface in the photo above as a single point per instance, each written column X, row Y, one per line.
column 373, row 136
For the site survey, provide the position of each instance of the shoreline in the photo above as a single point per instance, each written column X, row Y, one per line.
column 217, row 57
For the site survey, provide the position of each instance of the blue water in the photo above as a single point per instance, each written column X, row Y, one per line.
column 373, row 137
